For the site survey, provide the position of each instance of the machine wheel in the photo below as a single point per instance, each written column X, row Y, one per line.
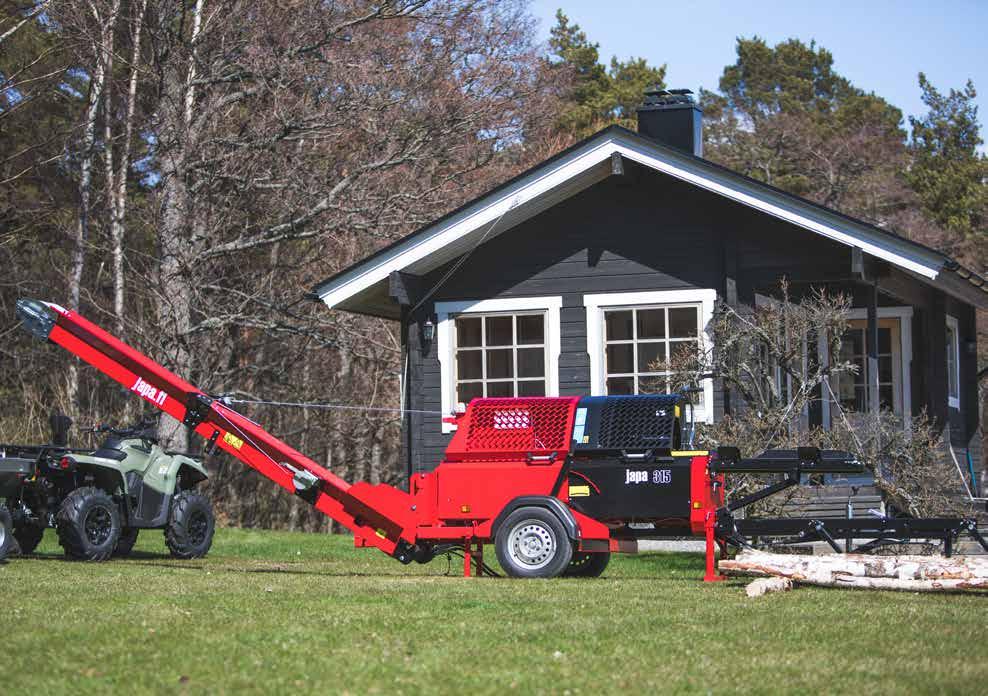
column 6, row 531
column 125, row 544
column 88, row 525
column 191, row 524
column 532, row 543
column 587, row 565
column 28, row 537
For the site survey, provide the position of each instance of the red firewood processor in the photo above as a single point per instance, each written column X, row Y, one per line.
column 555, row 484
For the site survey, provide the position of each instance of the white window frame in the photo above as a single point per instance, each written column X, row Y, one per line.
column 595, row 306
column 446, row 313
column 954, row 401
column 905, row 317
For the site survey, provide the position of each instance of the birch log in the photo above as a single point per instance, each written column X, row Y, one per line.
column 910, row 573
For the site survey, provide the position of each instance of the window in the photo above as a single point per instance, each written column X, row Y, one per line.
column 500, row 355
column 852, row 390
column 502, row 347
column 631, row 337
column 953, row 364
column 640, row 342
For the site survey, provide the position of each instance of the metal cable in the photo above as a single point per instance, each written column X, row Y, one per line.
column 338, row 407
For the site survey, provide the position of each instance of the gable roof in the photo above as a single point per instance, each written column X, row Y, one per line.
column 363, row 287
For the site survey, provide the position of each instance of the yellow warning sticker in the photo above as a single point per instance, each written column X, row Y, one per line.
column 232, row 440
column 586, row 439
column 579, row 491
column 381, row 533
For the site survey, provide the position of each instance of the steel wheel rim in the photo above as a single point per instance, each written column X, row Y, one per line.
column 98, row 526
column 197, row 528
column 3, row 535
column 532, row 544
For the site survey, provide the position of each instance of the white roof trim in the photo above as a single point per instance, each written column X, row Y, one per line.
column 527, row 191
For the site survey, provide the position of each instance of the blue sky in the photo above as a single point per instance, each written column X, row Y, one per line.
column 880, row 46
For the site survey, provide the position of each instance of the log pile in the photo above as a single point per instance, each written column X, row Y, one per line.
column 910, row 573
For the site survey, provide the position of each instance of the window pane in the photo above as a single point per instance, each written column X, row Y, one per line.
column 531, row 329
column 468, row 364
column 500, row 389
column 885, row 369
column 499, row 364
column 681, row 351
column 651, row 323
column 533, row 388
column 885, row 397
column 469, row 390
column 852, row 344
column 621, row 385
column 499, row 331
column 653, row 384
column 682, row 322
column 620, row 358
column 531, row 362
column 651, row 357
column 618, row 325
column 884, row 340
column 468, row 332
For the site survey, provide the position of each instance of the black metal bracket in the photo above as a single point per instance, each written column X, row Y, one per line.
column 197, row 408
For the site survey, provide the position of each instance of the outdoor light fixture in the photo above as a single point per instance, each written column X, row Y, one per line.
column 428, row 330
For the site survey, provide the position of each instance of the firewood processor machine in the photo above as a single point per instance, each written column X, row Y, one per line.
column 555, row 484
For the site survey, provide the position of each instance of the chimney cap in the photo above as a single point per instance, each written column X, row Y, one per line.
column 659, row 98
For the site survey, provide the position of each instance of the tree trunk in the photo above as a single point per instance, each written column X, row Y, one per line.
column 102, row 65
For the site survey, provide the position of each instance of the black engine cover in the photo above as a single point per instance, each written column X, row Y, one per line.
column 608, row 489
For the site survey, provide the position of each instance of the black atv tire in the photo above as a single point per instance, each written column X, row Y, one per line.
column 6, row 531
column 125, row 544
column 28, row 537
column 587, row 565
column 191, row 524
column 88, row 525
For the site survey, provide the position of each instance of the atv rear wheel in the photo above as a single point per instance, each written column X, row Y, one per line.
column 587, row 565
column 6, row 531
column 125, row 544
column 88, row 525
column 191, row 524
column 28, row 537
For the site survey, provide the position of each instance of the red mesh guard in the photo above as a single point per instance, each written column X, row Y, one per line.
column 511, row 428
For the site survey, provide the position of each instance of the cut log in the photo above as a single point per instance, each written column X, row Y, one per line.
column 910, row 573
column 761, row 586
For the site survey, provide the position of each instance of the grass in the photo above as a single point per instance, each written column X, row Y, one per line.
column 272, row 612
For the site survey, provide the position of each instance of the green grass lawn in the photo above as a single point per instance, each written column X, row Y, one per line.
column 272, row 612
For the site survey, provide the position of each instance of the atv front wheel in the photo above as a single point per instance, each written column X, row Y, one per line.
column 125, row 544
column 28, row 537
column 88, row 525
column 191, row 524
column 6, row 531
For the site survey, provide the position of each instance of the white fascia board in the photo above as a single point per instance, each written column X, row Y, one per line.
column 830, row 226
column 484, row 212
column 546, row 179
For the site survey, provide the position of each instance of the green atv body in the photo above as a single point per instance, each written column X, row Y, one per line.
column 98, row 500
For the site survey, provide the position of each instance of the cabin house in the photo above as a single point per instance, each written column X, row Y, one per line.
column 571, row 278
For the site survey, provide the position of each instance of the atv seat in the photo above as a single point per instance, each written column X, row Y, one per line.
column 108, row 453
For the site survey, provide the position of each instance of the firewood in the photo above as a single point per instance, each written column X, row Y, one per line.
column 762, row 586
column 910, row 573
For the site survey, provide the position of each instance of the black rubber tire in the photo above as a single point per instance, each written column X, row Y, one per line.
column 6, row 531
column 125, row 544
column 88, row 525
column 28, row 537
column 551, row 548
column 191, row 524
column 587, row 565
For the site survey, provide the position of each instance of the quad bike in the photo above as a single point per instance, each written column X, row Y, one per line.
column 99, row 500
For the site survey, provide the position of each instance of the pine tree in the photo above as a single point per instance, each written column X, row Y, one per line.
column 948, row 174
column 600, row 96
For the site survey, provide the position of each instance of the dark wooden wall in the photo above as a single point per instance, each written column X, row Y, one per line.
column 648, row 231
